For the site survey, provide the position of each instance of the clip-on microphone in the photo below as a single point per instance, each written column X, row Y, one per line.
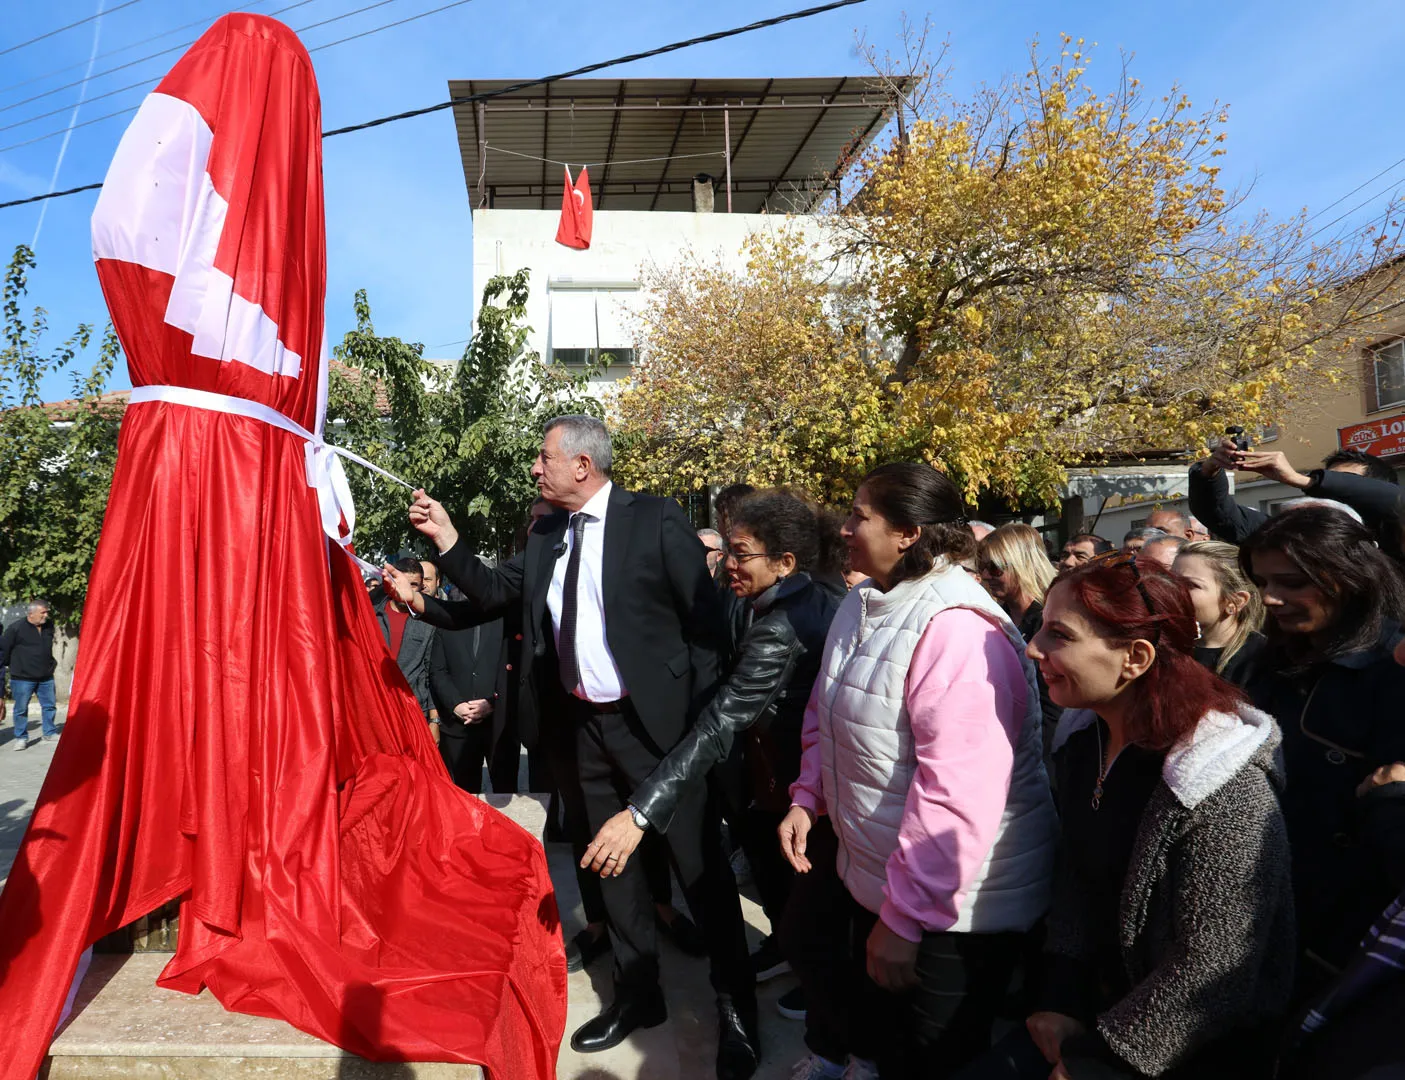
column 559, row 549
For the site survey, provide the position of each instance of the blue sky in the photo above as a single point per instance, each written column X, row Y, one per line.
column 1313, row 90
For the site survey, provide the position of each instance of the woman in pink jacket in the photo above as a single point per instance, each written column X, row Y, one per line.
column 922, row 822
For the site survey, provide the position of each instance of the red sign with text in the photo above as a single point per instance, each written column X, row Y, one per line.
column 1384, row 438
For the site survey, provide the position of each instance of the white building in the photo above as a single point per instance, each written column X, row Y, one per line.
column 679, row 169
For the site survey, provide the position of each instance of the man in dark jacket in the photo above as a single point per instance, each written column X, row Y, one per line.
column 27, row 649
column 1358, row 479
column 468, row 676
column 622, row 632
column 409, row 640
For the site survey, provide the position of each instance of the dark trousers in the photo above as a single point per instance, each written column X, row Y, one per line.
column 465, row 747
column 558, row 754
column 614, row 754
column 770, row 873
column 1244, row 1056
column 1361, row 1043
column 930, row 1031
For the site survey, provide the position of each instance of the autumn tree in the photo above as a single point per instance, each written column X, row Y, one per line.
column 56, row 462
column 467, row 434
column 763, row 374
column 1062, row 280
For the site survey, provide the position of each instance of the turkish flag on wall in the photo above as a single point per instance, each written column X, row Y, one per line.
column 577, row 212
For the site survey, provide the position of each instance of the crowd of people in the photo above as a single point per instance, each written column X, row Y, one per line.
column 1103, row 814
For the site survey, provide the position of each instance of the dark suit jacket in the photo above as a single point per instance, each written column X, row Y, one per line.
column 414, row 653
column 662, row 619
column 468, row 665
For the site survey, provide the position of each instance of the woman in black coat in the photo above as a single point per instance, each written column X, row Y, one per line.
column 776, row 549
column 1335, row 605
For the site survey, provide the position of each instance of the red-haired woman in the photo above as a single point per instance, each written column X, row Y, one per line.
column 1170, row 948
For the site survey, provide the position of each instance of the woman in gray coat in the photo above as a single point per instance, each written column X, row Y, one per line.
column 1171, row 938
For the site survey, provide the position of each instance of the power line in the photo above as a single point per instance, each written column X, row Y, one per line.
column 1354, row 190
column 390, row 26
column 148, row 82
column 489, row 94
column 127, row 48
column 70, row 26
column 174, row 48
column 128, row 64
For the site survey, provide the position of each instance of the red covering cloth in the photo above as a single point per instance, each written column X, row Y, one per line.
column 238, row 735
column 577, row 212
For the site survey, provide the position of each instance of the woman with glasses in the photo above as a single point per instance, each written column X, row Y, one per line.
column 1335, row 604
column 1015, row 569
column 776, row 547
column 922, row 828
column 1170, row 941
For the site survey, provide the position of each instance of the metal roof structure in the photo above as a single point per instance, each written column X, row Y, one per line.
column 784, row 142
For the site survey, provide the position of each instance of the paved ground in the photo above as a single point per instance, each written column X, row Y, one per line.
column 20, row 778
column 682, row 1049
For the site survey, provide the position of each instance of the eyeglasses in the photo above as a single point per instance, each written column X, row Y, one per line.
column 988, row 567
column 741, row 557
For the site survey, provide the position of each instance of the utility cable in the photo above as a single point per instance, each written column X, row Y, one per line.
column 487, row 95
column 70, row 26
column 139, row 60
column 133, row 45
column 390, row 26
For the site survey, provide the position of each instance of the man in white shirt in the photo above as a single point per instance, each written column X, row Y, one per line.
column 622, row 631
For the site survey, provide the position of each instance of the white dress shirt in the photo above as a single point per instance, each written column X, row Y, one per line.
column 600, row 675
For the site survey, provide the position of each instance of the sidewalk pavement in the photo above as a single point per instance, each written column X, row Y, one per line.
column 21, row 776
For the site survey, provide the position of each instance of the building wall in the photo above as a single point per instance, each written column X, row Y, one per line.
column 622, row 245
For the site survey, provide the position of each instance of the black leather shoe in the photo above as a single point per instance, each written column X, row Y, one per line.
column 584, row 949
column 684, row 933
column 613, row 1025
column 738, row 1044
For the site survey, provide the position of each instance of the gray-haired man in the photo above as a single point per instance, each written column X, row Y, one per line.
column 27, row 647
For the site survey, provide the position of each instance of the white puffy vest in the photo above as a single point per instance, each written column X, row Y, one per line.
column 868, row 758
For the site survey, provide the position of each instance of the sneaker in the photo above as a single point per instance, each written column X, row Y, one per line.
column 20, row 744
column 51, row 738
column 767, row 961
column 814, row 1067
column 791, row 1004
column 859, row 1069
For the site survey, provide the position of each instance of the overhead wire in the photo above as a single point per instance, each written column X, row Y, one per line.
column 132, row 45
column 70, row 26
column 155, row 79
column 153, row 56
column 487, row 95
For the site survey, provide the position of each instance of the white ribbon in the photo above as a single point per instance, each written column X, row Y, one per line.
column 325, row 474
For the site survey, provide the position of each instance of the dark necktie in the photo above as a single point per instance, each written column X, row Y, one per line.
column 566, row 646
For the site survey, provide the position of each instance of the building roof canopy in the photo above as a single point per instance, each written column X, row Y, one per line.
column 645, row 139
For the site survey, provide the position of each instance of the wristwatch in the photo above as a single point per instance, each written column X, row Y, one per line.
column 640, row 821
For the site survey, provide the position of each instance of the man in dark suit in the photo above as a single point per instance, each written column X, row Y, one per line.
column 408, row 639
column 622, row 631
column 468, row 679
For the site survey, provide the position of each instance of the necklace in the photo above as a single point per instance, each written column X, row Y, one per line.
column 1103, row 766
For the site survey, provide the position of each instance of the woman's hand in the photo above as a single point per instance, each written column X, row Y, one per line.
column 1386, row 774
column 892, row 959
column 430, row 518
column 397, row 586
column 1060, row 1073
column 1049, row 1030
column 793, row 830
column 613, row 845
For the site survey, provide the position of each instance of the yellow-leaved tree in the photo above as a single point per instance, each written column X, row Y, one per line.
column 763, row 375
column 1060, row 280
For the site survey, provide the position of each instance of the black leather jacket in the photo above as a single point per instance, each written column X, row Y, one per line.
column 769, row 686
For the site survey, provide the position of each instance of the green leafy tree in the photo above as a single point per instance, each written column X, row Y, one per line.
column 468, row 435
column 56, row 462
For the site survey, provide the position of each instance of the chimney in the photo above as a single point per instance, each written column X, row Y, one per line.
column 702, row 193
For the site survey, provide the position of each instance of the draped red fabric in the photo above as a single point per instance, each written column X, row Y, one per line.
column 238, row 735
